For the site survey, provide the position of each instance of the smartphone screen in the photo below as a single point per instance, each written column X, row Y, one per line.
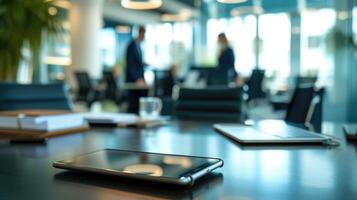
column 142, row 163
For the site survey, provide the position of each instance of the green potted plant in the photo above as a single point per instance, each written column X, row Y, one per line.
column 22, row 23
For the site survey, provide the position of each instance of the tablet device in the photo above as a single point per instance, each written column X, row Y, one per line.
column 172, row 169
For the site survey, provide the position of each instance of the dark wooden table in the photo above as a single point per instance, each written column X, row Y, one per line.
column 250, row 172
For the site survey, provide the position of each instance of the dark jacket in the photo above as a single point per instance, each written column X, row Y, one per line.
column 134, row 62
column 226, row 59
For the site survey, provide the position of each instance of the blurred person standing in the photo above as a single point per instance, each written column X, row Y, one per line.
column 226, row 58
column 135, row 70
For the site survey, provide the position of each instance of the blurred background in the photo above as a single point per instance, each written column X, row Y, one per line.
column 78, row 42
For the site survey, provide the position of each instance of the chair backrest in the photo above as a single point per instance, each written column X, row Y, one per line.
column 84, row 85
column 220, row 104
column 218, row 77
column 34, row 96
column 112, row 89
column 303, row 80
column 315, row 114
column 83, row 81
column 164, row 83
column 299, row 105
column 255, row 84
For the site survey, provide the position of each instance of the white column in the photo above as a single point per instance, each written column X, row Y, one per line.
column 86, row 19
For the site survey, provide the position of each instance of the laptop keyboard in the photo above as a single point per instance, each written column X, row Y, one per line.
column 285, row 131
column 295, row 135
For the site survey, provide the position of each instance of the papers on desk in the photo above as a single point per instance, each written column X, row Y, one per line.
column 36, row 121
column 40, row 120
column 122, row 120
column 110, row 118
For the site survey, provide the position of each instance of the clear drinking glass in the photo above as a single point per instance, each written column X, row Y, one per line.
column 150, row 107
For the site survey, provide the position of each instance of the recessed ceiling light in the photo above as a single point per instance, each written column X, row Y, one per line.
column 141, row 4
column 123, row 29
column 247, row 10
column 52, row 11
column 183, row 15
column 232, row 1
column 65, row 4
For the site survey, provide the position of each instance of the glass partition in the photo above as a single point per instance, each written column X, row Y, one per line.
column 275, row 33
column 317, row 57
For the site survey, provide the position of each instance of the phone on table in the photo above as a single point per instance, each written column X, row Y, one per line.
column 180, row 170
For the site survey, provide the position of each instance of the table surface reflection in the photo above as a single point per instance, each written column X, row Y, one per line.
column 250, row 172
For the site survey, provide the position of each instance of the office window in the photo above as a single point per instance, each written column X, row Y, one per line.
column 167, row 44
column 107, row 43
column 275, row 33
column 316, row 54
column 241, row 32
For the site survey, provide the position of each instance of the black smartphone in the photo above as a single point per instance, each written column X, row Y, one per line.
column 181, row 170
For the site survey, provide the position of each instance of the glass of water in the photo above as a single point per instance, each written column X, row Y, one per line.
column 150, row 107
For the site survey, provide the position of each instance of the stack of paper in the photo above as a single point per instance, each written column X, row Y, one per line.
column 40, row 120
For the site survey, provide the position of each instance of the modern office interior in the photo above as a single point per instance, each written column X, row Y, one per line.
column 125, row 99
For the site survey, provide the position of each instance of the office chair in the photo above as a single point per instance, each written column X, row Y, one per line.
column 255, row 85
column 303, row 80
column 111, row 91
column 86, row 91
column 305, row 108
column 163, row 83
column 217, row 77
column 219, row 104
column 300, row 104
column 15, row 96
column 84, row 86
column 282, row 102
column 314, row 116
column 163, row 87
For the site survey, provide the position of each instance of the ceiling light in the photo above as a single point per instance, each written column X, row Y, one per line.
column 232, row 1
column 343, row 15
column 65, row 4
column 52, row 11
column 141, row 4
column 123, row 29
column 53, row 60
column 184, row 15
column 247, row 10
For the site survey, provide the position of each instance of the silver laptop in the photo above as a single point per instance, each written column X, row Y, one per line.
column 269, row 131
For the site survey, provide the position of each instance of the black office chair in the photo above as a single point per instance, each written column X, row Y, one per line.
column 15, row 96
column 304, row 80
column 84, row 86
column 281, row 102
column 255, row 85
column 163, row 83
column 218, row 77
column 86, row 91
column 163, row 87
column 300, row 104
column 112, row 91
column 305, row 108
column 219, row 104
column 315, row 114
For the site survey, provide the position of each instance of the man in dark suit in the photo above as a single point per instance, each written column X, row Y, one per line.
column 135, row 70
